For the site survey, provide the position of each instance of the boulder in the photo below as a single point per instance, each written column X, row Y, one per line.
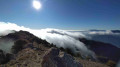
column 53, row 59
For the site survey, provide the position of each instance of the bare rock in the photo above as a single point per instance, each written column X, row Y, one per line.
column 52, row 59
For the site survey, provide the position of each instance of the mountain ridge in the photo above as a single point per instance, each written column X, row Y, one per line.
column 30, row 43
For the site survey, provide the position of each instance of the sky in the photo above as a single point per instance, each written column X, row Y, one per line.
column 63, row 14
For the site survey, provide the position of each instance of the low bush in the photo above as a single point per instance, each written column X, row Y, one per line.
column 18, row 45
column 111, row 63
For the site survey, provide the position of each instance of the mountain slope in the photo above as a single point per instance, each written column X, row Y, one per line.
column 31, row 51
column 101, row 49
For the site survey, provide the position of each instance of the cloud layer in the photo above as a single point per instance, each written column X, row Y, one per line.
column 60, row 38
column 106, row 36
column 6, row 45
column 118, row 65
column 65, row 39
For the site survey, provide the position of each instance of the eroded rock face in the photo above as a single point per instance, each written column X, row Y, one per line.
column 53, row 59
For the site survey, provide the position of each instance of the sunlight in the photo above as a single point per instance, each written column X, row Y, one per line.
column 36, row 4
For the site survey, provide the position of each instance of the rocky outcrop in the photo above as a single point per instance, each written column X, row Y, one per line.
column 53, row 59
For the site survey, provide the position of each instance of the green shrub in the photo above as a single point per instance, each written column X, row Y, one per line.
column 18, row 45
column 111, row 63
column 69, row 51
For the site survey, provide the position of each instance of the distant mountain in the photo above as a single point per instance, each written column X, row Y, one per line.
column 96, row 30
column 110, row 36
column 115, row 31
column 106, row 50
column 106, row 38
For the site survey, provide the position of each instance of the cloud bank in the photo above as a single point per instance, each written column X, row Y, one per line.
column 118, row 65
column 60, row 38
column 106, row 36
column 65, row 39
column 6, row 45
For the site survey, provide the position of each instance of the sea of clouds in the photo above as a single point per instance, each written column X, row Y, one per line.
column 60, row 38
column 106, row 36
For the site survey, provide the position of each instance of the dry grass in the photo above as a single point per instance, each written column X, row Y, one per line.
column 88, row 63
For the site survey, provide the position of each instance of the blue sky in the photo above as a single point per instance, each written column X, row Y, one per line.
column 63, row 14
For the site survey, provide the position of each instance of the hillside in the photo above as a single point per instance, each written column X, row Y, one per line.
column 31, row 51
column 106, row 50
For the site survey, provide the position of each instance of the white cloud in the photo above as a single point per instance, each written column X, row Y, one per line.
column 60, row 38
column 6, row 45
column 118, row 65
